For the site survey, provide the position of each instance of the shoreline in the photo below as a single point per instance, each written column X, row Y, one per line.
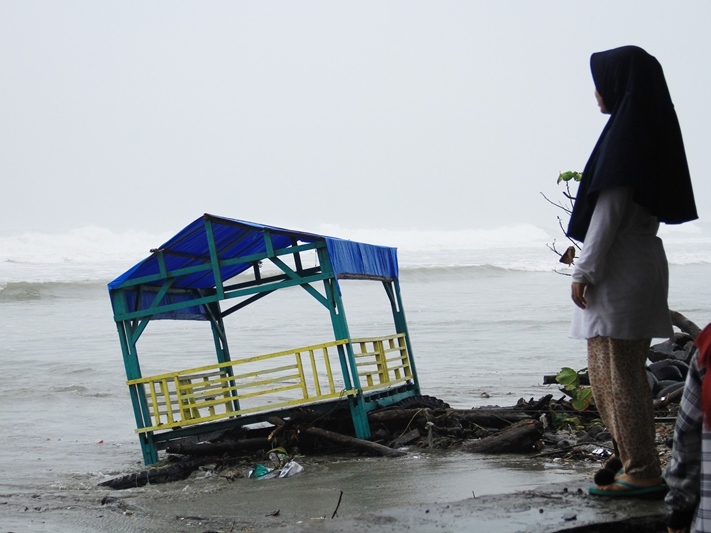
column 205, row 502
column 547, row 508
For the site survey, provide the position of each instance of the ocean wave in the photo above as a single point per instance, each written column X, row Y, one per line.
column 79, row 246
column 24, row 291
column 416, row 240
column 463, row 271
column 92, row 254
column 94, row 244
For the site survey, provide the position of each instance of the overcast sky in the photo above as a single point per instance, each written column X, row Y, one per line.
column 363, row 114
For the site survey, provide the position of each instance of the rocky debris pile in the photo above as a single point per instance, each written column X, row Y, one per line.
column 669, row 365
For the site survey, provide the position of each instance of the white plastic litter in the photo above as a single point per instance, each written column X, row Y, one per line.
column 290, row 469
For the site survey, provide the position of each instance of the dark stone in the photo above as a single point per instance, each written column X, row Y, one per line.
column 690, row 350
column 666, row 383
column 682, row 366
column 678, row 347
column 666, row 370
column 603, row 436
column 595, row 430
column 652, row 380
column 671, row 388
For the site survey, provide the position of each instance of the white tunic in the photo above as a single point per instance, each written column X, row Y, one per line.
column 624, row 260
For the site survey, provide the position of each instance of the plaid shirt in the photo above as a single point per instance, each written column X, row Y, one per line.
column 689, row 472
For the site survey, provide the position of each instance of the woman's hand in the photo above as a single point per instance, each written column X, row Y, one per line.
column 579, row 290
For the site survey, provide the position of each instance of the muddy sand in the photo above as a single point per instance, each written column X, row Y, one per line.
column 436, row 491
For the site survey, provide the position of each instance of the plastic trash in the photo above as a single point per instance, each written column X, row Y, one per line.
column 290, row 469
column 259, row 471
column 278, row 458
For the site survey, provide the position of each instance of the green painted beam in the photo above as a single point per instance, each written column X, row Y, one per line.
column 214, row 258
column 207, row 266
column 213, row 298
column 294, row 276
column 339, row 323
column 393, row 290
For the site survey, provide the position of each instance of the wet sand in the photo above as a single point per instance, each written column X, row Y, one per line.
column 551, row 508
column 205, row 502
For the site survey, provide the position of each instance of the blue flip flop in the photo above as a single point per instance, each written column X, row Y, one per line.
column 633, row 491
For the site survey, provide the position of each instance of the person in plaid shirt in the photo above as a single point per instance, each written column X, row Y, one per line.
column 688, row 475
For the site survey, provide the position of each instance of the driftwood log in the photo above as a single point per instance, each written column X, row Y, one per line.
column 406, row 438
column 219, row 448
column 684, row 324
column 519, row 438
column 490, row 418
column 551, row 379
column 172, row 472
column 344, row 440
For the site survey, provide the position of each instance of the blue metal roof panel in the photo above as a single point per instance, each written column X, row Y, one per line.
column 358, row 260
column 237, row 238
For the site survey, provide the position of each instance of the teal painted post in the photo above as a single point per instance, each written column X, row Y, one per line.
column 138, row 397
column 133, row 371
column 340, row 330
column 393, row 290
column 214, row 258
column 219, row 336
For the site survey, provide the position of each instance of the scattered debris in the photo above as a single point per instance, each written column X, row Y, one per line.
column 546, row 427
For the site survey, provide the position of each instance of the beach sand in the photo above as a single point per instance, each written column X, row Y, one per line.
column 364, row 486
column 284, row 506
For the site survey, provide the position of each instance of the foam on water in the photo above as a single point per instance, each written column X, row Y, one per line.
column 99, row 254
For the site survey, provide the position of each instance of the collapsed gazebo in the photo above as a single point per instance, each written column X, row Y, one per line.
column 212, row 269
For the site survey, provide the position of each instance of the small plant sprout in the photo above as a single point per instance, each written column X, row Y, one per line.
column 581, row 395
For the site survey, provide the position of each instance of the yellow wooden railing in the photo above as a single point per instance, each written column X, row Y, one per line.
column 382, row 361
column 268, row 382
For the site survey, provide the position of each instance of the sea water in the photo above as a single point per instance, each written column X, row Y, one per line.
column 488, row 315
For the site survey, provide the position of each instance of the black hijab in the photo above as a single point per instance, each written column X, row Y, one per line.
column 641, row 145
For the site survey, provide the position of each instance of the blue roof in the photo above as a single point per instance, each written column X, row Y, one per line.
column 235, row 239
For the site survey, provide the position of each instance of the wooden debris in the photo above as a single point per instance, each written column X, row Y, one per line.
column 173, row 472
column 684, row 324
column 219, row 448
column 519, row 438
column 492, row 418
column 406, row 438
column 344, row 440
column 518, row 429
column 361, row 444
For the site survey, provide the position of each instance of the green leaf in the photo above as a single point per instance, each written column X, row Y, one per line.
column 569, row 175
column 562, row 420
column 582, row 399
column 568, row 376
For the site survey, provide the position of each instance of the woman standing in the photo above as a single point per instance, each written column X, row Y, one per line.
column 636, row 177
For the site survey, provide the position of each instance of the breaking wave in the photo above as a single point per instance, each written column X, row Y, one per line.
column 93, row 254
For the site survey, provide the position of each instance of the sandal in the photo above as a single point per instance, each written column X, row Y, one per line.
column 632, row 491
